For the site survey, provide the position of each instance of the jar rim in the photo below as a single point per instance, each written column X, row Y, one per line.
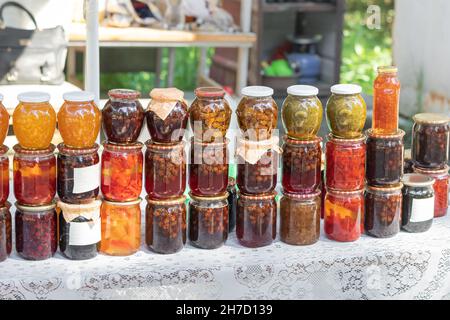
column 302, row 91
column 345, row 193
column 385, row 189
column 64, row 149
column 164, row 146
column 18, row 149
column 122, row 147
column 95, row 204
column 262, row 196
column 346, row 89
column 431, row 118
column 47, row 207
column 257, row 91
column 398, row 135
column 431, row 171
column 300, row 196
column 33, row 97
column 167, row 94
column 125, row 94
column 387, row 69
column 3, row 150
column 333, row 138
column 123, row 204
column 291, row 140
column 166, row 202
column 417, row 180
column 218, row 197
column 79, row 96
column 210, row 92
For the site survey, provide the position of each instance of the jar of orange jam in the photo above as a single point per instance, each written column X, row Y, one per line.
column 34, row 120
column 79, row 120
column 4, row 121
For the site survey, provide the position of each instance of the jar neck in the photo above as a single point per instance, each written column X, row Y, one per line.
column 209, row 204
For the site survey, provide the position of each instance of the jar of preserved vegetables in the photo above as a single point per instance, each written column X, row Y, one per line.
column 4, row 174
column 4, row 121
column 5, row 232
column 232, row 203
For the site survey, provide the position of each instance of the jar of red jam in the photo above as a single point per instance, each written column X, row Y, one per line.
column 345, row 163
column 256, row 224
column 4, row 174
column 165, row 170
column 344, row 215
column 36, row 231
column 5, row 232
column 302, row 160
column 34, row 175
column 121, row 171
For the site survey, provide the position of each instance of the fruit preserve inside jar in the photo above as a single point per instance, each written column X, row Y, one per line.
column 5, row 232
column 4, row 174
column 4, row 121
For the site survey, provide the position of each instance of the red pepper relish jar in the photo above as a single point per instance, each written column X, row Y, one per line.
column 5, row 231
column 4, row 174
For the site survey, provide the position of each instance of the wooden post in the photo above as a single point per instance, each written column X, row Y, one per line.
column 243, row 53
column 92, row 64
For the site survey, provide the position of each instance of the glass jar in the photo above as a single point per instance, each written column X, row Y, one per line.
column 121, row 172
column 346, row 111
column 302, row 112
column 165, row 226
column 5, row 232
column 345, row 164
column 121, row 227
column 302, row 161
column 344, row 215
column 123, row 116
column 4, row 121
column 34, row 120
column 208, row 168
column 384, row 158
column 408, row 164
column 79, row 230
column 300, row 218
column 208, row 221
column 4, row 174
column 167, row 115
column 210, row 114
column 34, row 175
column 232, row 203
column 386, row 100
column 36, row 231
column 165, row 170
column 383, row 211
column 78, row 174
column 430, row 141
column 257, row 113
column 418, row 203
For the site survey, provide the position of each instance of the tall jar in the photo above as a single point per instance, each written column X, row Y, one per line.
column 4, row 174
column 4, row 121
column 5, row 232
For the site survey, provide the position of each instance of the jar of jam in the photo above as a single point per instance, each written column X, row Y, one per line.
column 34, row 175
column 441, row 189
column 346, row 111
column 165, row 226
column 165, row 170
column 4, row 121
column 345, row 163
column 121, row 227
column 418, row 203
column 36, row 231
column 257, row 113
column 344, row 215
column 5, row 232
column 430, row 140
column 384, row 158
column 302, row 161
column 302, row 112
column 79, row 230
column 123, row 116
column 121, row 171
column 4, row 174
column 383, row 211
column 300, row 218
column 208, row 168
column 34, row 120
column 210, row 114
column 386, row 100
column 78, row 174
column 232, row 203
column 167, row 115
column 208, row 221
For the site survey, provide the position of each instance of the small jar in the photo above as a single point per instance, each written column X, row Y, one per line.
column 78, row 174
column 121, row 228
column 79, row 230
column 302, row 162
column 165, row 226
column 167, row 115
column 302, row 112
column 123, row 116
column 345, row 164
column 4, row 121
column 300, row 218
column 384, row 158
column 4, row 174
column 232, row 203
column 346, row 111
column 36, row 231
column 257, row 113
column 121, row 171
column 383, row 211
column 208, row 221
column 5, row 232
column 430, row 140
column 34, row 175
column 256, row 224
column 165, row 170
column 344, row 210
column 418, row 203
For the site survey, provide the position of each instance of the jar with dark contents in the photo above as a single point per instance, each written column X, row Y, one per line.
column 232, row 203
column 300, row 218
column 408, row 163
column 430, row 141
column 4, row 174
column 36, row 231
column 5, row 232
column 418, row 203
column 256, row 224
column 123, row 116
column 383, row 211
column 208, row 221
column 167, row 115
column 78, row 174
column 165, row 227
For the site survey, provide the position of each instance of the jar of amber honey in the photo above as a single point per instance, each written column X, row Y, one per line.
column 4, row 121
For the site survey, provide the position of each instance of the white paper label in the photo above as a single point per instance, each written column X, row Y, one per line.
column 84, row 233
column 86, row 179
column 422, row 210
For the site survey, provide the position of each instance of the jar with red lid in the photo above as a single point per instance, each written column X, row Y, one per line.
column 5, row 232
column 34, row 175
column 256, row 222
column 4, row 174
column 121, row 171
column 4, row 121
